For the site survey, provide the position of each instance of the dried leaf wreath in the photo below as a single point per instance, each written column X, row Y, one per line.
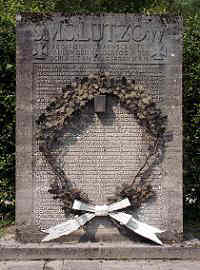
column 74, row 97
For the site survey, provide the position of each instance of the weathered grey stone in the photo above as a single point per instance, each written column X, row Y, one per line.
column 52, row 51
column 102, row 265
column 83, row 265
column 109, row 251
column 54, row 265
column 150, row 265
column 28, row 265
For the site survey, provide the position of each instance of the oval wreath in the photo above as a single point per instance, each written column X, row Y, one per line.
column 60, row 112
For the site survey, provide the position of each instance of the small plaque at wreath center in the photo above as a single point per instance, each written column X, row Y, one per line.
column 100, row 103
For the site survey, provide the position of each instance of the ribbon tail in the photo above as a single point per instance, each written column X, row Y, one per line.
column 119, row 205
column 67, row 227
column 138, row 227
column 148, row 227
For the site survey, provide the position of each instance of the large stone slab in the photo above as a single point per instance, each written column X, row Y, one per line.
column 53, row 50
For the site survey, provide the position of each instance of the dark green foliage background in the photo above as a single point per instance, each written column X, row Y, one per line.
column 191, row 118
column 190, row 9
column 7, row 119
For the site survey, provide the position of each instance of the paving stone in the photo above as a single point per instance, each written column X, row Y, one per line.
column 151, row 265
column 54, row 265
column 83, row 265
column 119, row 265
column 22, row 265
column 101, row 265
column 184, row 265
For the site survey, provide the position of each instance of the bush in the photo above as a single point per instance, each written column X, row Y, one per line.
column 191, row 86
column 7, row 119
column 191, row 117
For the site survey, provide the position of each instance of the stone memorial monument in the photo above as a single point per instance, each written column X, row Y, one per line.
column 99, row 128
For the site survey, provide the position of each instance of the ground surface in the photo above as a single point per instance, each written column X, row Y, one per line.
column 101, row 265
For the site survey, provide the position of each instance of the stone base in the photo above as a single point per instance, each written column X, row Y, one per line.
column 96, row 251
column 32, row 234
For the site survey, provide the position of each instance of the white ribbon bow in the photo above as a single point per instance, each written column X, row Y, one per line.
column 127, row 220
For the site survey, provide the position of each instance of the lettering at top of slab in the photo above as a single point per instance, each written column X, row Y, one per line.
column 99, row 31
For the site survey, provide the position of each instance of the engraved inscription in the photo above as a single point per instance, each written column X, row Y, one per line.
column 41, row 38
column 97, row 154
column 107, row 152
column 65, row 31
column 83, row 41
column 161, row 53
